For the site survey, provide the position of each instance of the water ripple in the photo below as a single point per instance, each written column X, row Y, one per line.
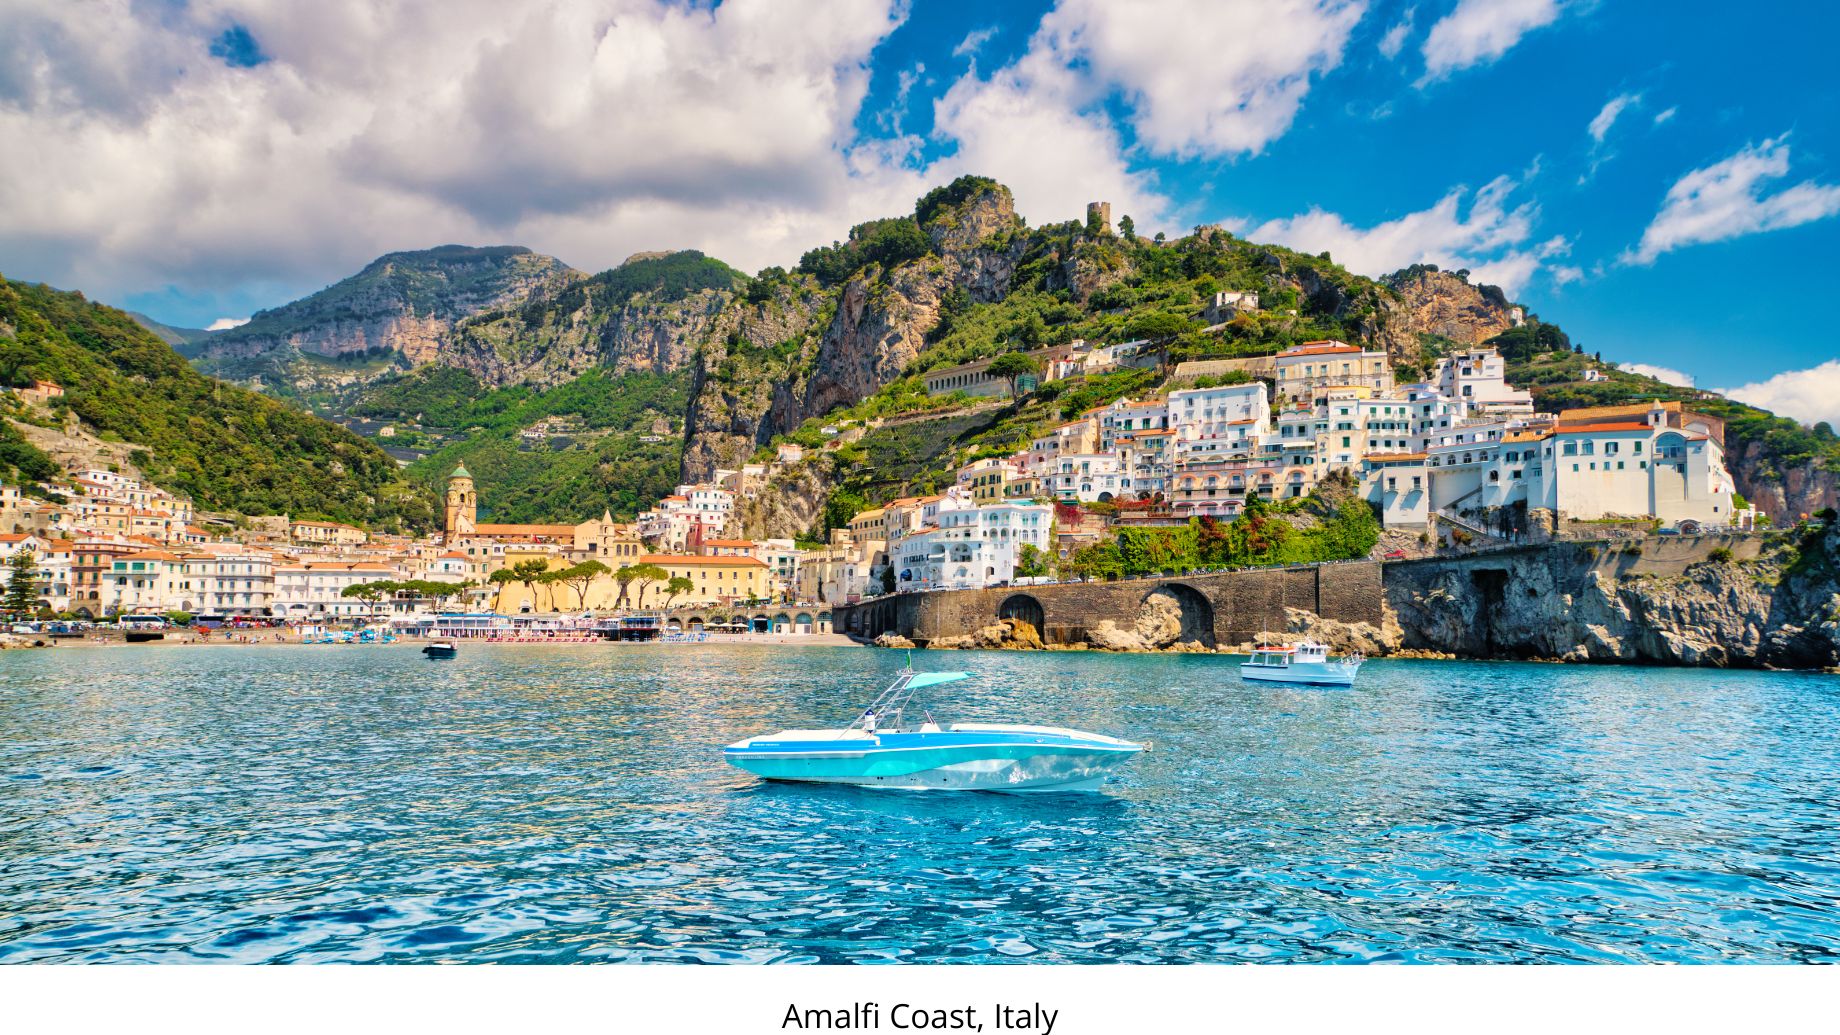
column 250, row 804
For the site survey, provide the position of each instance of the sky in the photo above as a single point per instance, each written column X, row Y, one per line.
column 1665, row 187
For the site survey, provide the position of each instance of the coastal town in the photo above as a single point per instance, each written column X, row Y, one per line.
column 1461, row 458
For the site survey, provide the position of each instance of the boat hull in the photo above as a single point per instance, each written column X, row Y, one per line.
column 986, row 760
column 1308, row 675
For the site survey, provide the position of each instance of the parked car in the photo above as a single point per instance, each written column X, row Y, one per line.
column 1395, row 555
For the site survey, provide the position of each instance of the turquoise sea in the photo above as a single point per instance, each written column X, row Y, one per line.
column 557, row 804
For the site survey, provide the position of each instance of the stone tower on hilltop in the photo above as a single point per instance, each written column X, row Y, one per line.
column 1099, row 216
column 462, row 502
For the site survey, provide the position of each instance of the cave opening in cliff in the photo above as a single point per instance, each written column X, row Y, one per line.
column 1491, row 591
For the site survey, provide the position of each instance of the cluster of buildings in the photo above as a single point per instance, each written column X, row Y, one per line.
column 1461, row 444
column 1454, row 449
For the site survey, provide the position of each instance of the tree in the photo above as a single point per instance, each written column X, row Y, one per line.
column 22, row 583
column 525, row 573
column 1128, row 228
column 369, row 592
column 581, row 576
column 1032, row 563
column 677, row 587
column 624, row 575
column 1013, row 367
column 645, row 575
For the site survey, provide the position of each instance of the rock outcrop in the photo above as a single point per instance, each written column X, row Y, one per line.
column 1006, row 634
column 893, row 641
column 404, row 302
column 1448, row 306
column 1571, row 602
column 1161, row 623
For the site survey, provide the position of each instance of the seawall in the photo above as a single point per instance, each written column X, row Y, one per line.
column 1728, row 600
column 1213, row 609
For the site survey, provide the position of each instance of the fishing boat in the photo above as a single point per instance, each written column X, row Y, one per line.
column 441, row 649
column 883, row 749
column 1306, row 662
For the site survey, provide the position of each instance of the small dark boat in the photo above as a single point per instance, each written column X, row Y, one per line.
column 440, row 649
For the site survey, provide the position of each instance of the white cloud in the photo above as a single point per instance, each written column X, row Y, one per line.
column 1202, row 77
column 588, row 129
column 1395, row 39
column 1479, row 31
column 224, row 323
column 1726, row 200
column 1664, row 116
column 1606, row 117
column 974, row 41
column 1492, row 240
column 1026, row 126
column 1810, row 396
column 1667, row 374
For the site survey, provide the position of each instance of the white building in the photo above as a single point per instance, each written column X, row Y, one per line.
column 1088, row 478
column 1224, row 412
column 1478, row 378
column 971, row 548
column 240, row 583
column 317, row 589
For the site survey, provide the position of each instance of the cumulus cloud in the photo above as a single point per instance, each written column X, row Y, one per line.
column 1727, row 199
column 145, row 154
column 1479, row 31
column 224, row 323
column 1667, row 374
column 1202, row 77
column 1493, row 239
column 1810, row 396
column 585, row 128
column 1606, row 116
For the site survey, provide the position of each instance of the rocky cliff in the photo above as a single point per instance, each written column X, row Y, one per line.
column 1445, row 305
column 1739, row 602
column 1785, row 491
column 403, row 303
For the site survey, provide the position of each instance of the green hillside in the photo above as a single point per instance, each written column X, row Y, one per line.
column 226, row 447
column 572, row 477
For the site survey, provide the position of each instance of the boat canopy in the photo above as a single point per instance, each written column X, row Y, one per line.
column 926, row 679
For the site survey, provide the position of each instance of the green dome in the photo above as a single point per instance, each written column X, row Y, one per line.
column 459, row 472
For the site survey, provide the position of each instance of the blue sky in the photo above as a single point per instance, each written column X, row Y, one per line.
column 1665, row 188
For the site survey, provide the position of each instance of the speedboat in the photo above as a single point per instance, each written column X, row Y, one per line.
column 880, row 749
column 1306, row 662
column 441, row 649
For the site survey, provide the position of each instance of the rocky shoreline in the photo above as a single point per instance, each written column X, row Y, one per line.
column 1778, row 609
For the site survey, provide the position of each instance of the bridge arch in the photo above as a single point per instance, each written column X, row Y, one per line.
column 1024, row 608
column 1196, row 610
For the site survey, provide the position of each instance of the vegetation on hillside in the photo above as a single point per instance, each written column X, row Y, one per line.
column 226, row 447
column 605, row 466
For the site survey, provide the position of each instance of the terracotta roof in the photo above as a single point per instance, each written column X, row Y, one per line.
column 493, row 529
column 1626, row 410
column 1394, row 456
column 728, row 542
column 1525, row 436
column 1319, row 348
column 149, row 555
column 682, row 558
column 452, row 553
column 1576, row 429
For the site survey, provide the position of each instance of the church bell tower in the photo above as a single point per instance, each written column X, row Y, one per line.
column 462, row 503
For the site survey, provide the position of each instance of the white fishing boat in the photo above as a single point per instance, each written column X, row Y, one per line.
column 883, row 749
column 1308, row 662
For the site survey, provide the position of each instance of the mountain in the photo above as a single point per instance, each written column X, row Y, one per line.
column 180, row 338
column 850, row 329
column 225, row 447
column 395, row 313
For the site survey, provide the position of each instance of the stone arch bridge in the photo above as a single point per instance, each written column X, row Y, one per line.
column 1217, row 609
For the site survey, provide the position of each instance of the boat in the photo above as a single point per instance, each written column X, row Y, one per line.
column 881, row 749
column 441, row 649
column 1306, row 662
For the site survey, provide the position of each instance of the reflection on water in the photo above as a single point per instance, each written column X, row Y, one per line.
column 557, row 804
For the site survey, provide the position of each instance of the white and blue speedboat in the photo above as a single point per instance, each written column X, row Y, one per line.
column 880, row 749
column 1307, row 663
